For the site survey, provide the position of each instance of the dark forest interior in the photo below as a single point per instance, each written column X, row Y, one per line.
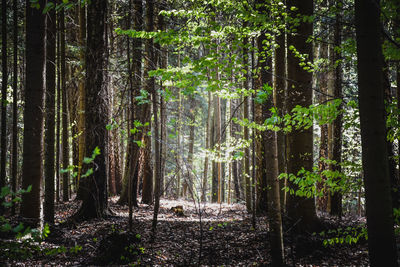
column 208, row 133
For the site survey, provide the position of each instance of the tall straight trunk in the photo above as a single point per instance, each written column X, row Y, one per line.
column 246, row 113
column 280, row 91
column 381, row 240
column 163, row 108
column 178, row 138
column 396, row 200
column 94, row 195
column 325, row 150
column 190, row 167
column 65, row 145
column 4, row 71
column 147, row 193
column 219, row 136
column 131, row 174
column 336, row 199
column 81, row 90
column 214, row 174
column 32, row 162
column 14, row 153
column 157, row 150
column 50, row 116
column 300, row 210
column 262, row 144
column 205, row 172
column 58, row 111
column 270, row 155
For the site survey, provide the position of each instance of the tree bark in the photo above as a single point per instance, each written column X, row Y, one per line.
column 50, row 116
column 65, row 143
column 336, row 199
column 381, row 241
column 14, row 159
column 94, row 196
column 4, row 71
column 300, row 142
column 147, row 193
column 32, row 166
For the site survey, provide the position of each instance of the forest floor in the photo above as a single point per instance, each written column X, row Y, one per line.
column 227, row 238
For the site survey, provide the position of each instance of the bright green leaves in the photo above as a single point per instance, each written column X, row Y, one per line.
column 306, row 181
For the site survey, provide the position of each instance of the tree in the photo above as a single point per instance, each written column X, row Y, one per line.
column 65, row 145
column 300, row 210
column 94, row 195
column 147, row 193
column 50, row 116
column 4, row 71
column 381, row 242
column 14, row 152
column 32, row 165
column 336, row 199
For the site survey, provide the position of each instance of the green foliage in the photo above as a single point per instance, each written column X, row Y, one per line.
column 349, row 235
column 334, row 181
column 304, row 117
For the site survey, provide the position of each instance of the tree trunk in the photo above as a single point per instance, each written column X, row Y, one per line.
column 65, row 145
column 32, row 166
column 336, row 199
column 58, row 111
column 300, row 142
column 81, row 93
column 50, row 116
column 94, row 204
column 4, row 71
column 280, row 99
column 147, row 193
column 381, row 240
column 208, row 134
column 14, row 159
column 246, row 113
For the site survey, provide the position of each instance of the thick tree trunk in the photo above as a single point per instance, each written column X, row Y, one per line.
column 32, row 166
column 50, row 117
column 94, row 204
column 301, row 210
column 381, row 240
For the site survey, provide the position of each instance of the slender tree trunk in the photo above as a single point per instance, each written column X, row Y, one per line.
column 147, row 193
column 300, row 142
column 178, row 138
column 14, row 160
column 65, row 145
column 81, row 92
column 4, row 71
column 280, row 91
column 208, row 134
column 381, row 240
column 246, row 113
column 58, row 111
column 336, row 199
column 32, row 166
column 50, row 116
